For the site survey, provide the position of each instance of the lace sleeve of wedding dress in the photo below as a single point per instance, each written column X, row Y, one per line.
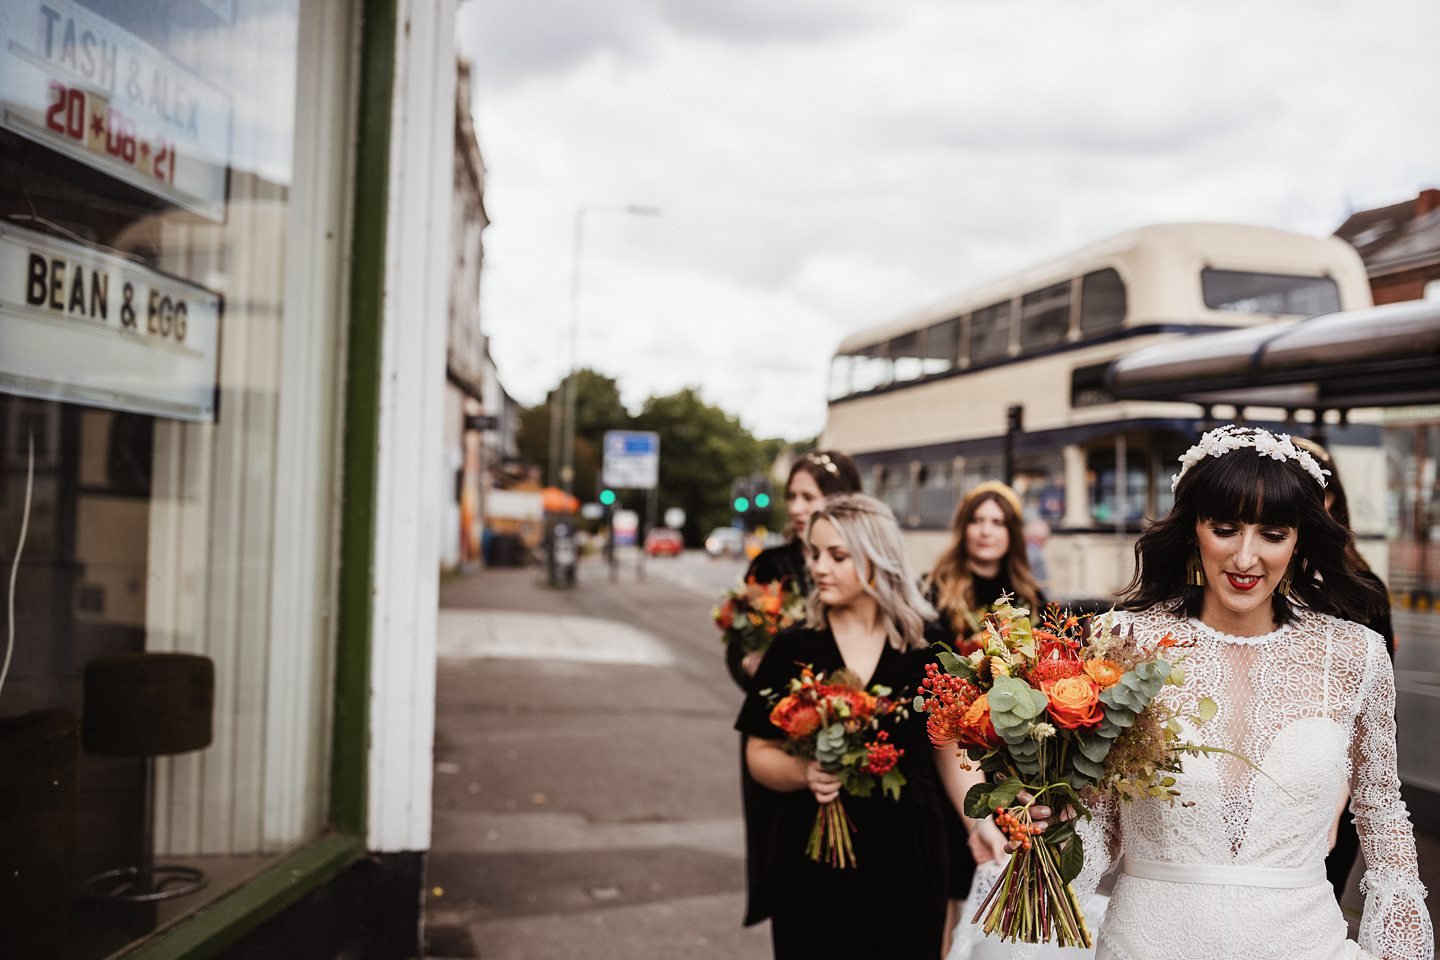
column 1395, row 924
column 1101, row 839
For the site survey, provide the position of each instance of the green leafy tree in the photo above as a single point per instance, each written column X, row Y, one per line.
column 597, row 409
column 702, row 449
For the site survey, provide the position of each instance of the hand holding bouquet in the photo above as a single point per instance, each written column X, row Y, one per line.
column 1061, row 713
column 833, row 721
column 752, row 614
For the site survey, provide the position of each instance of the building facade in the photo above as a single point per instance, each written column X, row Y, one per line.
column 225, row 249
column 1400, row 245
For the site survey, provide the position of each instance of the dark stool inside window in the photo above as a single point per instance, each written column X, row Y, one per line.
column 148, row 705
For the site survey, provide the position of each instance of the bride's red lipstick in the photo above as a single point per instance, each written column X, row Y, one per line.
column 1243, row 583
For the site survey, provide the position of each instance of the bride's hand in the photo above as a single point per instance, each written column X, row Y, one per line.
column 1039, row 816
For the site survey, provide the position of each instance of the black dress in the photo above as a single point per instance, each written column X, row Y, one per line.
column 893, row 902
column 988, row 591
column 760, row 803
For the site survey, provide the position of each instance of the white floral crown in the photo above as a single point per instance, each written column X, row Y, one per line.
column 1223, row 440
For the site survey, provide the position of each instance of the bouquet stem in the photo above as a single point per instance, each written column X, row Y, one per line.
column 1032, row 903
column 830, row 841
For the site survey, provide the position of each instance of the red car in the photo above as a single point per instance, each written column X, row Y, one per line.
column 664, row 542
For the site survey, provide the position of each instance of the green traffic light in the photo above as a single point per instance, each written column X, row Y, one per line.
column 741, row 504
column 762, row 500
column 607, row 497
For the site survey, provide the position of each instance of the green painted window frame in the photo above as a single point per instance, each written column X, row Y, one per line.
column 220, row 924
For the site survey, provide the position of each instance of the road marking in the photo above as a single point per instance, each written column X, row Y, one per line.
column 510, row 635
column 544, row 832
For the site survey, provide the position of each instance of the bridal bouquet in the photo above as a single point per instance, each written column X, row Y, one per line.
column 1065, row 711
column 836, row 722
column 753, row 613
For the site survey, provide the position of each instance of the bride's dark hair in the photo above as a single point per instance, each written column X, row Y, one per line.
column 1244, row 487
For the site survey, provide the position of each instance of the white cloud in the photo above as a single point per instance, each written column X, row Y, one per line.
column 824, row 167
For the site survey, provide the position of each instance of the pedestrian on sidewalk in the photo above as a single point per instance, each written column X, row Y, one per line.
column 813, row 477
column 864, row 615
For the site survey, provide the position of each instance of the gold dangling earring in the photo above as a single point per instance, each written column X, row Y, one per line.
column 1194, row 571
column 1283, row 587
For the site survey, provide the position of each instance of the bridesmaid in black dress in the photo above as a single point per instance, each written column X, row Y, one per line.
column 866, row 615
column 986, row 558
column 813, row 477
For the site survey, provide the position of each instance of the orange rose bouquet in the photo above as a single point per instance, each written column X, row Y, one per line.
column 836, row 722
column 1065, row 711
column 753, row 613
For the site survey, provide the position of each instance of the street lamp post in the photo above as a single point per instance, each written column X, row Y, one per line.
column 567, row 435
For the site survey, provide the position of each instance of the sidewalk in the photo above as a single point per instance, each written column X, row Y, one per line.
column 586, row 777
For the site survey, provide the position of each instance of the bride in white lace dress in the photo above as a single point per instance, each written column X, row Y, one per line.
column 1247, row 574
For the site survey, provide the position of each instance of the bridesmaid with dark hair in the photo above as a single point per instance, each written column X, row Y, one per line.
column 813, row 477
column 986, row 559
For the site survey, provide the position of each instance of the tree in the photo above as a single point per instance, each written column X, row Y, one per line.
column 597, row 409
column 702, row 448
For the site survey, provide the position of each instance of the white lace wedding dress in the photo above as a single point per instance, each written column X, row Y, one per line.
column 1236, row 868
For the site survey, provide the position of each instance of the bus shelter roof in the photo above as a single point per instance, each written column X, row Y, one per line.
column 1372, row 357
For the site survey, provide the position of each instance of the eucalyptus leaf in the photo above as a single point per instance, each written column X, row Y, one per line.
column 1205, row 710
column 1085, row 765
column 1095, row 747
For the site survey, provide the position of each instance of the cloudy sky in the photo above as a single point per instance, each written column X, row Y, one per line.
column 823, row 166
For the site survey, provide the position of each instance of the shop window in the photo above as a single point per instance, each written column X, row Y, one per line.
column 161, row 415
column 1102, row 301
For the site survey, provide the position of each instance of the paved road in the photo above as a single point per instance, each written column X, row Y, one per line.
column 586, row 776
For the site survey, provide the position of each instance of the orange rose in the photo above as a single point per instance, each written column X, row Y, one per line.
column 976, row 729
column 1074, row 702
column 1106, row 673
column 796, row 717
column 725, row 615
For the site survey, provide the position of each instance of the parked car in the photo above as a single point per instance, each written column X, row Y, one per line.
column 725, row 542
column 664, row 542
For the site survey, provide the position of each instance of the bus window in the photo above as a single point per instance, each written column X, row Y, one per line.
column 990, row 333
column 1087, row 386
column 840, row 369
column 1104, row 498
column 940, row 343
column 1040, row 482
column 871, row 369
column 894, row 491
column 980, row 470
column 905, row 357
column 1240, row 291
column 936, row 493
column 1045, row 316
column 1102, row 301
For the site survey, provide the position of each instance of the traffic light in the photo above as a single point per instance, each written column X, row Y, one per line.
column 607, row 497
column 760, row 484
column 740, row 499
